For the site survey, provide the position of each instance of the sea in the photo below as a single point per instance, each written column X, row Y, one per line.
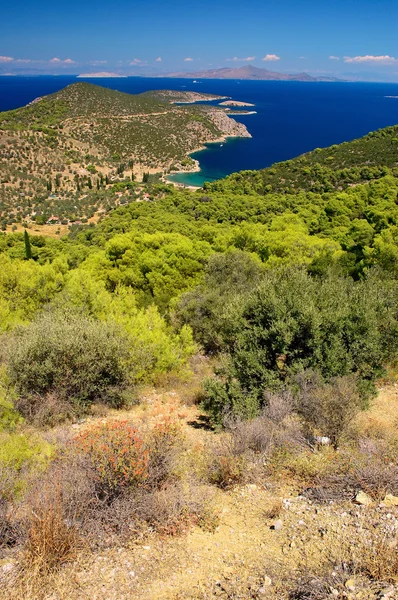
column 291, row 117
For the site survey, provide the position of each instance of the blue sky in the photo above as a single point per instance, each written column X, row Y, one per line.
column 357, row 38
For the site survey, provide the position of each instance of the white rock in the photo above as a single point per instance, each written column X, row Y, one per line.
column 363, row 499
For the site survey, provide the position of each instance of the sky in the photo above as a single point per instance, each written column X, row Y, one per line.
column 355, row 39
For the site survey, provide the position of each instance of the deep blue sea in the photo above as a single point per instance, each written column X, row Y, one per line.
column 292, row 117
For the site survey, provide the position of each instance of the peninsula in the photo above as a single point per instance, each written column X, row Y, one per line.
column 235, row 103
column 86, row 136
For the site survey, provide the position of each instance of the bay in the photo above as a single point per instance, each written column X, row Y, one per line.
column 291, row 117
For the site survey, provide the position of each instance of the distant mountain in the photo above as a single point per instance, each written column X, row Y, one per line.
column 248, row 72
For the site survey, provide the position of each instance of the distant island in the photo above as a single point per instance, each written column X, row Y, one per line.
column 248, row 72
column 100, row 74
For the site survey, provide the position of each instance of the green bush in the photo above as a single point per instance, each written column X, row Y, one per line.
column 72, row 357
column 202, row 308
column 293, row 322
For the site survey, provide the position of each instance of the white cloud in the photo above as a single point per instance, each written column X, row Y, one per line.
column 382, row 60
column 271, row 57
column 98, row 62
column 159, row 59
column 247, row 59
column 188, row 59
column 334, row 57
column 5, row 59
column 135, row 61
column 55, row 60
column 302, row 57
column 69, row 61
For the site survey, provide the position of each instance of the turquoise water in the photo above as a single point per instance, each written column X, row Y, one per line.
column 292, row 117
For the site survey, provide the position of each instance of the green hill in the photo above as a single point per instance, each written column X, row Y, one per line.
column 323, row 169
column 86, row 136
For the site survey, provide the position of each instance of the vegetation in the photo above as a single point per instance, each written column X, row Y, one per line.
column 57, row 150
column 322, row 170
column 199, row 341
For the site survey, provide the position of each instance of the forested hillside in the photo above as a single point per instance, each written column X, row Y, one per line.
column 269, row 300
column 323, row 169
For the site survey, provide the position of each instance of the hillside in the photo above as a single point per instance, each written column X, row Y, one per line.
column 323, row 169
column 198, row 393
column 248, row 72
column 86, row 136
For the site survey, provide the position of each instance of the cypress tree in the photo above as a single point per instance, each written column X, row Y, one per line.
column 28, row 249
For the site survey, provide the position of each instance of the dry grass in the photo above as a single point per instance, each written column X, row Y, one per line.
column 378, row 559
column 51, row 540
column 380, row 422
column 274, row 509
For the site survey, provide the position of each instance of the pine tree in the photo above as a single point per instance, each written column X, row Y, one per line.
column 28, row 249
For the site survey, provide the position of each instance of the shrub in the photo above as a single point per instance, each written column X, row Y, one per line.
column 291, row 323
column 227, row 466
column 277, row 427
column 117, row 454
column 74, row 358
column 51, row 540
column 163, row 444
column 9, row 416
column 19, row 450
column 328, row 408
column 202, row 308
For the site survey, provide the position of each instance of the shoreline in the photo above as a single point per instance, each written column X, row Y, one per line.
column 242, row 113
column 197, row 168
column 202, row 100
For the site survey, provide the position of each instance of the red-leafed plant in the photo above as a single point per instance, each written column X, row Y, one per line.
column 117, row 454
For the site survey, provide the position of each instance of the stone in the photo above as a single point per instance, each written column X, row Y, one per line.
column 363, row 499
column 267, row 581
column 390, row 500
column 7, row 568
column 277, row 526
column 350, row 584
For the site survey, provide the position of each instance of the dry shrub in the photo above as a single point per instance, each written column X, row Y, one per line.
column 276, row 427
column 171, row 510
column 163, row 444
column 10, row 528
column 377, row 558
column 328, row 408
column 373, row 469
column 47, row 410
column 369, row 468
column 274, row 509
column 241, row 452
column 226, row 466
column 52, row 540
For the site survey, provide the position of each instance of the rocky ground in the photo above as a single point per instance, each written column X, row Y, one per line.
column 270, row 539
